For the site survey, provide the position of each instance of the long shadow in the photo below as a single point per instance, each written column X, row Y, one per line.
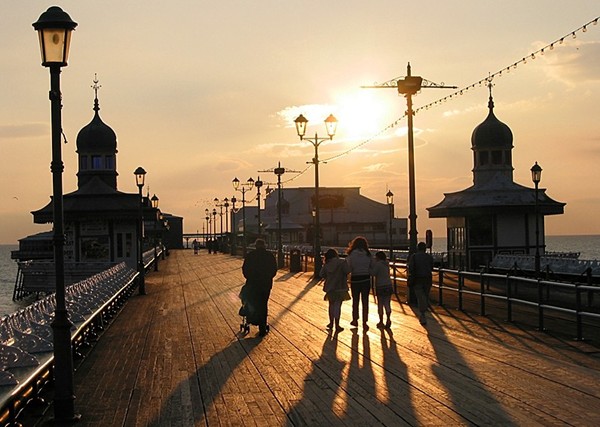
column 320, row 404
column 204, row 385
column 454, row 374
column 399, row 391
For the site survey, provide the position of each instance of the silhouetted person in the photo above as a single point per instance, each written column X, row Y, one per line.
column 259, row 268
column 335, row 272
column 420, row 266
column 380, row 270
column 359, row 263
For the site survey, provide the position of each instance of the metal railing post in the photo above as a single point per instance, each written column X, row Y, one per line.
column 460, row 289
column 482, row 293
column 441, row 285
column 508, row 299
column 540, row 307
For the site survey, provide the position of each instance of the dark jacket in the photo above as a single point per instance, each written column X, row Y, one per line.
column 259, row 268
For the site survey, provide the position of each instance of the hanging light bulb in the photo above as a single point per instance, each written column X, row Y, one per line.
column 574, row 35
column 584, row 29
column 552, row 46
column 533, row 56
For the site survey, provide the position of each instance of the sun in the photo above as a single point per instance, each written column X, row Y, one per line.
column 361, row 114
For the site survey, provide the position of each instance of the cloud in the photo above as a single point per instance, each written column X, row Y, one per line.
column 27, row 130
column 574, row 63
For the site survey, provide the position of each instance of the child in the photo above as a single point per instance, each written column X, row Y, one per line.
column 335, row 272
column 383, row 288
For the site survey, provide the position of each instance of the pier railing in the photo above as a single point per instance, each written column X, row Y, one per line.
column 519, row 298
column 26, row 356
column 535, row 301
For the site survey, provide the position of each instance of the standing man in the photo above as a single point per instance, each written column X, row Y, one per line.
column 259, row 268
column 420, row 266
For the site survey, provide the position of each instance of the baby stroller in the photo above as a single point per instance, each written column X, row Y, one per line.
column 248, row 313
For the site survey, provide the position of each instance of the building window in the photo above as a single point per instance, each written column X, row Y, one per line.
column 481, row 230
column 83, row 165
column 483, row 158
column 497, row 157
column 109, row 162
column 97, row 162
column 507, row 158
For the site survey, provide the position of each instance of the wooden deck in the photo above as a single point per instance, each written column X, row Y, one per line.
column 174, row 357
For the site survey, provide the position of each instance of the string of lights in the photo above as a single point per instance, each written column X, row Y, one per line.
column 459, row 92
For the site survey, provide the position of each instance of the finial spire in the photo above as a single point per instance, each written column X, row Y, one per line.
column 96, row 86
column 491, row 101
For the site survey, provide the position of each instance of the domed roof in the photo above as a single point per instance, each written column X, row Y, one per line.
column 96, row 137
column 492, row 133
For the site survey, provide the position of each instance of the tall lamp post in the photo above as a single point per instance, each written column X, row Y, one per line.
column 233, row 226
column 226, row 205
column 215, row 244
column 140, row 177
column 207, row 235
column 154, row 203
column 280, row 259
column 536, row 177
column 54, row 28
column 409, row 86
column 258, row 184
column 247, row 186
column 390, row 201
column 331, row 126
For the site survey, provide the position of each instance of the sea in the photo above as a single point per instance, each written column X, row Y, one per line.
column 587, row 246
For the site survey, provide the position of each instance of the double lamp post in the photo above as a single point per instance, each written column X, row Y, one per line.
column 331, row 126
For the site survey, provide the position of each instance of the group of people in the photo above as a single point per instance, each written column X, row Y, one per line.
column 363, row 268
column 260, row 267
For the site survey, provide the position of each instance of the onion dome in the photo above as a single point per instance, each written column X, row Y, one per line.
column 491, row 133
column 96, row 137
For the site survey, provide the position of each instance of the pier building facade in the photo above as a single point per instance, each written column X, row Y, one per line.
column 344, row 214
column 495, row 215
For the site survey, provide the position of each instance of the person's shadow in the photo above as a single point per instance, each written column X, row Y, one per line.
column 323, row 381
column 455, row 376
column 212, row 371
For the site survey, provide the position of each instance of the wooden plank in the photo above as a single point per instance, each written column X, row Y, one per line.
column 175, row 357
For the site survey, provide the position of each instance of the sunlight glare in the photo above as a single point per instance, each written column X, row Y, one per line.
column 361, row 114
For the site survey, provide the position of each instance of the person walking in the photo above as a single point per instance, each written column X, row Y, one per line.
column 335, row 272
column 420, row 266
column 359, row 262
column 380, row 270
column 259, row 268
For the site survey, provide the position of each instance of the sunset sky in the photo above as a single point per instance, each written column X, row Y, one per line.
column 200, row 92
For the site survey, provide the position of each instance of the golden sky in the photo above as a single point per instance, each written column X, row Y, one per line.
column 200, row 92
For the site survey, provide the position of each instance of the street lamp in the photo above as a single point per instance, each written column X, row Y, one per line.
column 140, row 177
column 233, row 226
column 215, row 244
column 54, row 28
column 207, row 230
column 258, row 184
column 247, row 186
column 280, row 259
column 331, row 126
column 154, row 203
column 409, row 86
column 226, row 205
column 536, row 177
column 390, row 201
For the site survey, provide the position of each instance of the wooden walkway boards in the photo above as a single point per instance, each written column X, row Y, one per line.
column 174, row 357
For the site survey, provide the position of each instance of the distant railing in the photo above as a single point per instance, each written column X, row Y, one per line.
column 574, row 300
column 26, row 356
